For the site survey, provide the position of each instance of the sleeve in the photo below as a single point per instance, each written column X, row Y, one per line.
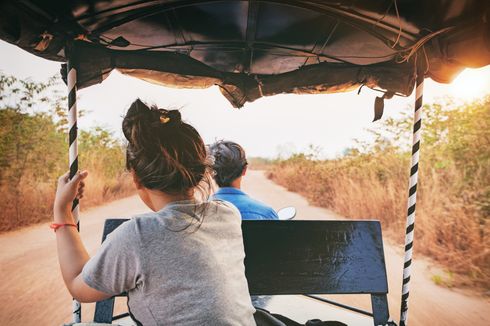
column 116, row 267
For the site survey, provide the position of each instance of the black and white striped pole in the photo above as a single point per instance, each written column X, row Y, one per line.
column 73, row 153
column 412, row 194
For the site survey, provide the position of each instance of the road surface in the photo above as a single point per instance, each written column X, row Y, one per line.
column 32, row 290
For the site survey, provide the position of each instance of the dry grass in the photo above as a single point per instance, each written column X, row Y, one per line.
column 107, row 178
column 449, row 228
column 28, row 180
column 32, row 203
column 449, row 225
column 453, row 202
column 33, row 153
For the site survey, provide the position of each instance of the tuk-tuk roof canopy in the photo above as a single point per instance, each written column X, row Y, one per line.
column 257, row 48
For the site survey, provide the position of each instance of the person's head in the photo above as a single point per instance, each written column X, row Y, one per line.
column 163, row 153
column 230, row 162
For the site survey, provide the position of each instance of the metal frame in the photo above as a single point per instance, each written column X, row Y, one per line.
column 412, row 193
column 73, row 150
column 412, row 196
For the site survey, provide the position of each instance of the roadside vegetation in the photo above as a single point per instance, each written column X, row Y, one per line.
column 369, row 181
column 33, row 153
column 453, row 204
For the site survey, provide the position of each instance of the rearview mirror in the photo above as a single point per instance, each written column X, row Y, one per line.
column 286, row 213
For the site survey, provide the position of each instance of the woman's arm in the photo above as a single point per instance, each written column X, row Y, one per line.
column 72, row 254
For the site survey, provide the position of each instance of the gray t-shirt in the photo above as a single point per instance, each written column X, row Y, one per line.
column 176, row 270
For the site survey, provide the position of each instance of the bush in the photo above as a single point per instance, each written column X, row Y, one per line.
column 453, row 203
column 33, row 153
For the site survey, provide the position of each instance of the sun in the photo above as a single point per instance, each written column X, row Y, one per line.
column 471, row 84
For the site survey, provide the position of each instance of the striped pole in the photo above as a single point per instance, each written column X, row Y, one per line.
column 412, row 194
column 73, row 154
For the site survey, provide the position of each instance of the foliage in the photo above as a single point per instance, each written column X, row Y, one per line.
column 453, row 204
column 33, row 152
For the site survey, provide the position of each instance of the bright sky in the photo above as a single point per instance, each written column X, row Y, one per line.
column 280, row 124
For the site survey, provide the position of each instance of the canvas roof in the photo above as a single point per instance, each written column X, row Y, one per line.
column 252, row 49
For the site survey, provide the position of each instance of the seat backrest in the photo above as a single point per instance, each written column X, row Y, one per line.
column 306, row 257
column 314, row 257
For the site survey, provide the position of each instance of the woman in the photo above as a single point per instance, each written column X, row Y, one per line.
column 182, row 264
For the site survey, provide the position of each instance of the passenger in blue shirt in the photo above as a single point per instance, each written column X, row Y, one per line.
column 230, row 165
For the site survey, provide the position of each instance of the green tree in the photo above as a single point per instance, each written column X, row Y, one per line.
column 33, row 151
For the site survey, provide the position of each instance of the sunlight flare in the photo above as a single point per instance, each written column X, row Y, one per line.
column 471, row 84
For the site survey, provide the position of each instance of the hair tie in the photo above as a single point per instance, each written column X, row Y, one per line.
column 164, row 118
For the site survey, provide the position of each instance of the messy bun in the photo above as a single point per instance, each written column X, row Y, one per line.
column 165, row 153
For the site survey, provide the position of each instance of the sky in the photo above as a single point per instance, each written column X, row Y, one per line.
column 269, row 127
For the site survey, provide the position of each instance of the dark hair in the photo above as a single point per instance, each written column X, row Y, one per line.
column 165, row 153
column 229, row 162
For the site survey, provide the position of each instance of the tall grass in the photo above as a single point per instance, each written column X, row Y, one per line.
column 104, row 158
column 33, row 153
column 453, row 204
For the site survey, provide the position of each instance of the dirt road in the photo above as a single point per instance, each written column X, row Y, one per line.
column 32, row 291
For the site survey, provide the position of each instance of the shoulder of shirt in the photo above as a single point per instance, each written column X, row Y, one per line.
column 125, row 230
column 147, row 221
column 260, row 204
column 226, row 205
column 143, row 221
column 266, row 211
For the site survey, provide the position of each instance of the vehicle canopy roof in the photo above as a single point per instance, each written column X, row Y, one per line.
column 252, row 49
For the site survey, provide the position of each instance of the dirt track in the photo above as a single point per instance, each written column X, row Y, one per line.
column 32, row 291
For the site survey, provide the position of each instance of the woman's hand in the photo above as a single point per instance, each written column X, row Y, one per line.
column 66, row 192
column 71, row 251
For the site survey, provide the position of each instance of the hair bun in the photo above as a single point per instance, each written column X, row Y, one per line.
column 145, row 127
column 138, row 115
column 175, row 116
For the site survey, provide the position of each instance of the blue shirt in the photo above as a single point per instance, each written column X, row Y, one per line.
column 249, row 208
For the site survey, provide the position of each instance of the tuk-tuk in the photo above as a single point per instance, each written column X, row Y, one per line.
column 251, row 49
